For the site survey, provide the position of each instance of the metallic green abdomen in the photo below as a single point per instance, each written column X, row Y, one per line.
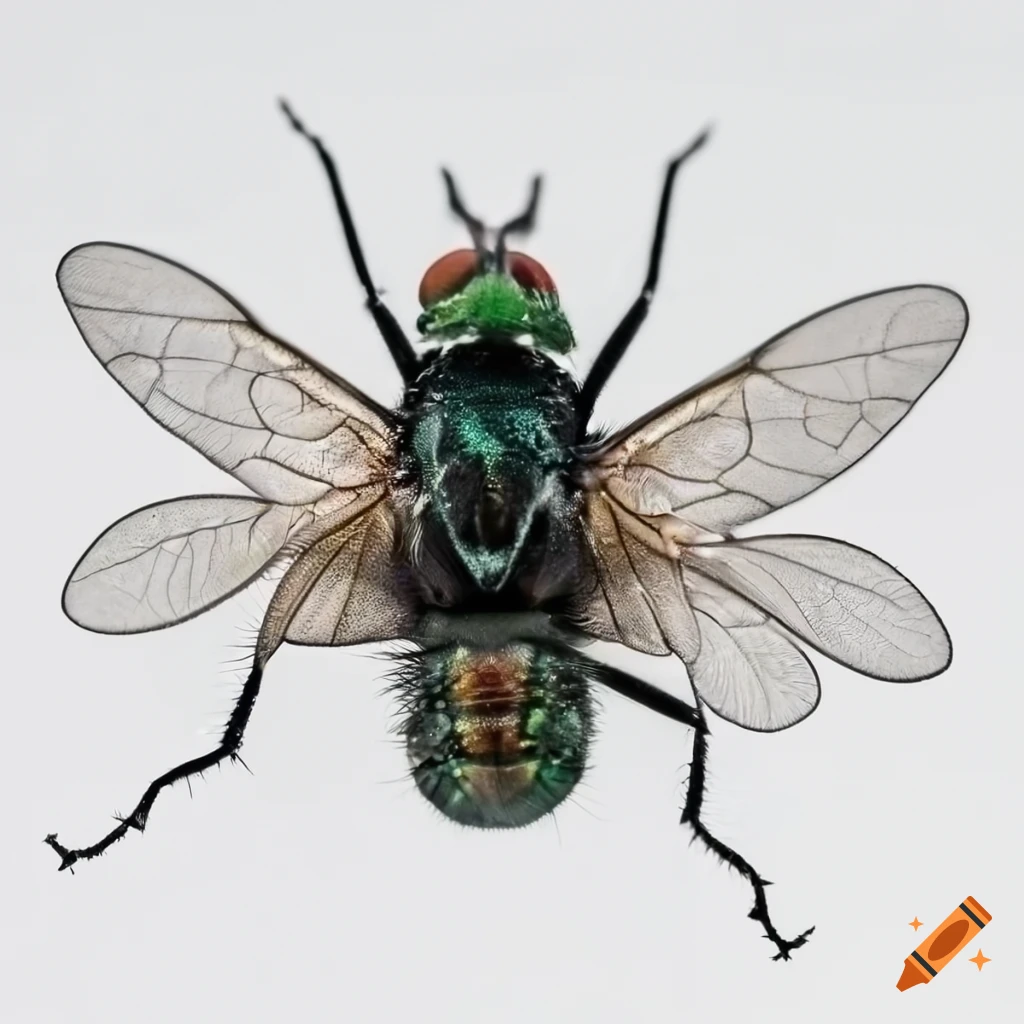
column 496, row 738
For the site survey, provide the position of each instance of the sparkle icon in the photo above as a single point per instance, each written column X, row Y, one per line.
column 915, row 924
column 980, row 959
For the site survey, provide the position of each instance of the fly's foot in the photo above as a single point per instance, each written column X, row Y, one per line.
column 67, row 857
column 785, row 945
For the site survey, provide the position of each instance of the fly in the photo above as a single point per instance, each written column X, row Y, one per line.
column 484, row 523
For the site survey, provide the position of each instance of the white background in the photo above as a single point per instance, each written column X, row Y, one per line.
column 853, row 151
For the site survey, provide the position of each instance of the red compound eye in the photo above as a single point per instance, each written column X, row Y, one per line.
column 528, row 273
column 448, row 276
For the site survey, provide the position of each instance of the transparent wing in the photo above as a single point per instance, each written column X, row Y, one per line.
column 793, row 414
column 307, row 442
column 167, row 562
column 203, row 368
column 747, row 671
column 630, row 593
column 346, row 588
column 844, row 601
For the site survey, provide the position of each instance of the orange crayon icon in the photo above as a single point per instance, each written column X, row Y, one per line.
column 944, row 943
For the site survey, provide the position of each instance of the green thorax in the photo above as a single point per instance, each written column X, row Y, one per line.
column 495, row 305
column 492, row 404
column 489, row 430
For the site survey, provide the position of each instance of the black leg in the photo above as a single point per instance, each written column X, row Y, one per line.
column 228, row 747
column 645, row 694
column 398, row 344
column 691, row 816
column 677, row 710
column 615, row 347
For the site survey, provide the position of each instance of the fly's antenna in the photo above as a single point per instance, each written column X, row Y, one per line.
column 522, row 223
column 476, row 227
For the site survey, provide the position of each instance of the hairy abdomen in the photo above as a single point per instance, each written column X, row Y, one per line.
column 496, row 737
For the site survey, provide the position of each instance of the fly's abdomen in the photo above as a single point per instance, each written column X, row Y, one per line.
column 496, row 738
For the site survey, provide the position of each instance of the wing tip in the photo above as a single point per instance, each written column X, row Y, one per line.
column 79, row 615
column 959, row 300
column 77, row 250
column 945, row 653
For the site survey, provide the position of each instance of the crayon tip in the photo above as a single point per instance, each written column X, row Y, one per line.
column 910, row 977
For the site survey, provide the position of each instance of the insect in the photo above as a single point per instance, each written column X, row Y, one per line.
column 485, row 523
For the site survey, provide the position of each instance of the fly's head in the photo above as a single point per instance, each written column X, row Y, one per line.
column 469, row 294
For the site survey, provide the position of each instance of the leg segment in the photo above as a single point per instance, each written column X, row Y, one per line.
column 691, row 817
column 394, row 337
column 230, row 742
column 677, row 710
column 615, row 347
column 646, row 695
